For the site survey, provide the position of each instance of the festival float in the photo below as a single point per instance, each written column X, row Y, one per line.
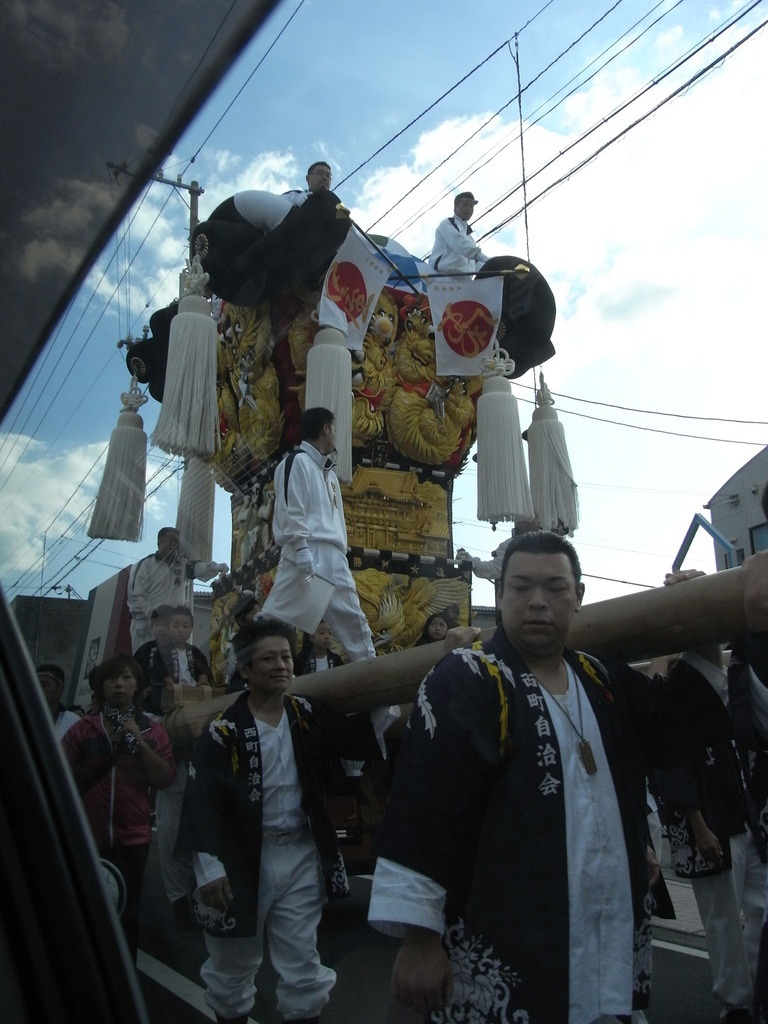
column 411, row 427
column 233, row 375
column 231, row 363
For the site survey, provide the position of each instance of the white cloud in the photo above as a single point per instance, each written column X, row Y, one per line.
column 40, row 497
column 44, row 515
column 269, row 172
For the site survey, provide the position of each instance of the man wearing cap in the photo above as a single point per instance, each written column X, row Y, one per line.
column 51, row 679
column 454, row 250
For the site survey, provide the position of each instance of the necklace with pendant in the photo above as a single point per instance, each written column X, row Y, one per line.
column 585, row 747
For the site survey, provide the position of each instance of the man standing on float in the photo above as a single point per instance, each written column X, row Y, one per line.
column 309, row 526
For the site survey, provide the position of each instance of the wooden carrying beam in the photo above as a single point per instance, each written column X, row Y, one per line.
column 665, row 620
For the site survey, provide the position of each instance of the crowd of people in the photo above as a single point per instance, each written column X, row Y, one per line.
column 510, row 742
column 514, row 857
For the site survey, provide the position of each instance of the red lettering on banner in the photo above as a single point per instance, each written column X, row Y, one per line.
column 346, row 288
column 467, row 327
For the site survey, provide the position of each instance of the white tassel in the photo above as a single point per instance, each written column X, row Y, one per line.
column 194, row 518
column 188, row 421
column 329, row 386
column 503, row 493
column 119, row 510
column 553, row 488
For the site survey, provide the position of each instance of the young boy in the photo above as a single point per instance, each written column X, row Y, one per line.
column 320, row 656
column 177, row 663
column 159, row 621
column 263, row 844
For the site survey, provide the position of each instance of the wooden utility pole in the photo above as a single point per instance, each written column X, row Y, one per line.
column 193, row 188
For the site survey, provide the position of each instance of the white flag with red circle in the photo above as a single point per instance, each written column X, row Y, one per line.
column 352, row 285
column 465, row 314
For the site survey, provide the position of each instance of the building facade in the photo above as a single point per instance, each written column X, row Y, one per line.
column 736, row 510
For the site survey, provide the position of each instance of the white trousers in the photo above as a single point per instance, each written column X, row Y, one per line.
column 291, row 899
column 732, row 946
column 343, row 614
column 178, row 877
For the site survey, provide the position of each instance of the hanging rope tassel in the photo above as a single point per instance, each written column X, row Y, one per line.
column 187, row 424
column 503, row 493
column 329, row 386
column 194, row 518
column 119, row 510
column 553, row 488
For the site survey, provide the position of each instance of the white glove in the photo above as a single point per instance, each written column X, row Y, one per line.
column 352, row 769
column 304, row 562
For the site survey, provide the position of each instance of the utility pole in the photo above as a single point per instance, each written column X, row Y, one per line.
column 193, row 188
column 194, row 195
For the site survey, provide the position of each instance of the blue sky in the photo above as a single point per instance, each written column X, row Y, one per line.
column 655, row 249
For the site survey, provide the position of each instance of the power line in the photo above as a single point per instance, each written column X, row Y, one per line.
column 121, row 278
column 98, row 544
column 652, row 430
column 448, row 92
column 470, row 470
column 245, row 83
column 38, row 378
column 658, row 430
column 656, row 412
column 75, row 410
column 580, row 82
column 729, row 23
column 468, row 170
column 47, row 408
column 82, row 516
column 551, row 63
column 423, row 113
column 695, row 78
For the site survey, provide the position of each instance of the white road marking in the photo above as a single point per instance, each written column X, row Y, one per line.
column 688, row 950
column 192, row 994
column 177, row 984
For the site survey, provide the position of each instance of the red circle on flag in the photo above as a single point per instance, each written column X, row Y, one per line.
column 346, row 288
column 467, row 327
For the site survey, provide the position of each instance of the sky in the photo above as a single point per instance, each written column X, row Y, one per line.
column 643, row 163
